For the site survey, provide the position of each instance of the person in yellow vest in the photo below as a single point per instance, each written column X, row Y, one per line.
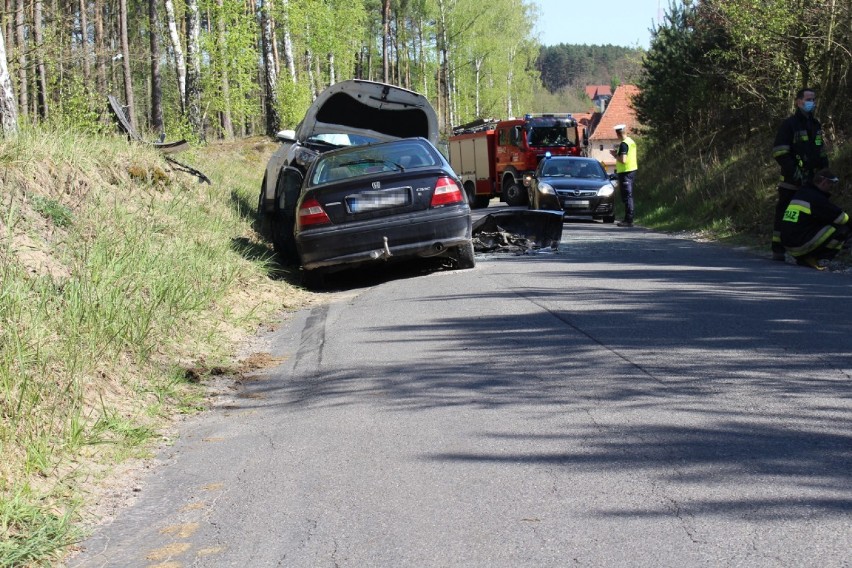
column 626, row 164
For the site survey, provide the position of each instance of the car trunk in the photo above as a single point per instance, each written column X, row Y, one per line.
column 370, row 109
column 370, row 198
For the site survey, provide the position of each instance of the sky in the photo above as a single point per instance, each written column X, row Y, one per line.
column 616, row 22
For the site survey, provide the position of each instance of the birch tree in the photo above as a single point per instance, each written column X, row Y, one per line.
column 8, row 110
column 273, row 122
column 193, row 68
column 177, row 50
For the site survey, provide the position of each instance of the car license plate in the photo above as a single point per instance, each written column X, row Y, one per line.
column 372, row 200
column 576, row 204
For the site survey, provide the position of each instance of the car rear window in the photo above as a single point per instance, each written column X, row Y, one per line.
column 370, row 160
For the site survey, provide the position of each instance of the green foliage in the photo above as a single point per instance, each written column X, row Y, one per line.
column 80, row 109
column 50, row 208
column 579, row 65
column 235, row 58
column 294, row 99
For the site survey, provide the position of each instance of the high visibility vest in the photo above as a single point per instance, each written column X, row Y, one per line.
column 631, row 163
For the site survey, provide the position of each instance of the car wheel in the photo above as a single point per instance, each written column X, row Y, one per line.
column 481, row 201
column 313, row 279
column 464, row 256
column 609, row 219
column 513, row 195
column 282, row 238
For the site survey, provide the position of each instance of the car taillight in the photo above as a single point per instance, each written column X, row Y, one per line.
column 312, row 213
column 446, row 192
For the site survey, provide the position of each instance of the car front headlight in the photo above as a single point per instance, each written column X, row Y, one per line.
column 546, row 188
column 606, row 190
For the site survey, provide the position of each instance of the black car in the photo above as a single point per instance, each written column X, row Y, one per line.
column 380, row 202
column 580, row 187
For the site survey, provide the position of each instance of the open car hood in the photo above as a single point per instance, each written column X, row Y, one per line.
column 367, row 108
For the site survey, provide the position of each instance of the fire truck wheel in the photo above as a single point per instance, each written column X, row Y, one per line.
column 514, row 195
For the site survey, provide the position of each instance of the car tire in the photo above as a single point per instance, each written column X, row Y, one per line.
column 609, row 219
column 513, row 195
column 464, row 256
column 313, row 279
column 283, row 240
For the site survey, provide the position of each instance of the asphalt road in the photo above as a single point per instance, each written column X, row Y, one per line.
column 631, row 400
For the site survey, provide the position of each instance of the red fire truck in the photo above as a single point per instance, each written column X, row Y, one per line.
column 492, row 156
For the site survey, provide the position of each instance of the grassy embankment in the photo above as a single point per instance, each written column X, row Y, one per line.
column 117, row 275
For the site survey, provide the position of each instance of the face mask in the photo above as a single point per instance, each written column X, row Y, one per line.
column 808, row 106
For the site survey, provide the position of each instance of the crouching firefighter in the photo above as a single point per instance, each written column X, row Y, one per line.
column 813, row 228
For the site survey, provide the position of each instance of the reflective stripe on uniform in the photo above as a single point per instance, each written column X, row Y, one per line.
column 842, row 219
column 780, row 150
column 812, row 244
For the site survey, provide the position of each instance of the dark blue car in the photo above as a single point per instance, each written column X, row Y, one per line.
column 579, row 187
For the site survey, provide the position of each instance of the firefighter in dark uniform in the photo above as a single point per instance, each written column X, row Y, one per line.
column 814, row 228
column 800, row 151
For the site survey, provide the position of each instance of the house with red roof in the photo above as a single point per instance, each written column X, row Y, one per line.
column 600, row 95
column 619, row 111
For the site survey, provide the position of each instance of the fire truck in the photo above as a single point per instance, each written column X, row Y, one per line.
column 492, row 156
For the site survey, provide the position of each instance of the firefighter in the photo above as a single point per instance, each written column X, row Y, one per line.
column 800, row 151
column 813, row 228
column 626, row 164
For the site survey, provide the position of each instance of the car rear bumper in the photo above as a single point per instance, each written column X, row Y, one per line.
column 415, row 235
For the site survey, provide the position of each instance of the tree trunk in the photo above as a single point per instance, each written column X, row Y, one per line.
column 289, row 61
column 41, row 73
column 385, row 39
column 125, row 63
column 180, row 64
column 193, row 68
column 273, row 121
column 8, row 112
column 84, row 40
column 20, row 44
column 100, row 54
column 225, row 115
column 156, row 81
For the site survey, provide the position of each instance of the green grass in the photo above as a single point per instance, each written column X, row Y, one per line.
column 30, row 533
column 116, row 275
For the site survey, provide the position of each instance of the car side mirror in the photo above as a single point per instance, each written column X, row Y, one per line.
column 286, row 136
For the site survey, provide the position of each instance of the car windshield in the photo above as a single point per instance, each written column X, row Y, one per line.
column 551, row 136
column 328, row 141
column 579, row 168
column 371, row 159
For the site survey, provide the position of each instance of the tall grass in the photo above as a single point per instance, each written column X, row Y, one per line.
column 115, row 274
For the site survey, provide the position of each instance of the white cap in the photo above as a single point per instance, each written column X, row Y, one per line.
column 620, row 126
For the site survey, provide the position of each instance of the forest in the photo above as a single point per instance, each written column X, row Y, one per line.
column 204, row 69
